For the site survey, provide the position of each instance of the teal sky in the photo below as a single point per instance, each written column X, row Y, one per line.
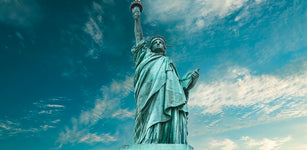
column 66, row 72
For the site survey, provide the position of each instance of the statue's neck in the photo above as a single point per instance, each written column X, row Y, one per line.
column 160, row 53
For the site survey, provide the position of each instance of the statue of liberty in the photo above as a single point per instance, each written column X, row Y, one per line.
column 161, row 96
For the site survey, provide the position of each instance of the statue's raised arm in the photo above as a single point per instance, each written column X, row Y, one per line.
column 136, row 9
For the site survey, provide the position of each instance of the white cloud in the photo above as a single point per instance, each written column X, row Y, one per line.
column 94, row 27
column 124, row 113
column 105, row 107
column 108, row 106
column 46, row 112
column 266, row 144
column 80, row 134
column 226, row 144
column 40, row 118
column 49, row 108
column 56, row 121
column 4, row 126
column 56, row 99
column 59, row 147
column 110, row 103
column 13, row 128
column 247, row 142
column 55, row 106
column 93, row 138
column 248, row 12
column 192, row 15
column 257, row 91
column 46, row 127
column 238, row 98
column 123, row 88
column 299, row 147
column 102, row 109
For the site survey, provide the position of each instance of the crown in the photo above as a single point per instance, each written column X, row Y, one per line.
column 159, row 37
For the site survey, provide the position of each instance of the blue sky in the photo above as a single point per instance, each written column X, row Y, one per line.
column 66, row 72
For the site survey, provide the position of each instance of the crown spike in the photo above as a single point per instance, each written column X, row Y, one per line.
column 149, row 33
column 165, row 34
column 169, row 40
column 158, row 31
column 170, row 46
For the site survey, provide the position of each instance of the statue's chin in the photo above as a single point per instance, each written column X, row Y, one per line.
column 158, row 50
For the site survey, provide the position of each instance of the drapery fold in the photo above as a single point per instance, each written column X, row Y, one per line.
column 161, row 114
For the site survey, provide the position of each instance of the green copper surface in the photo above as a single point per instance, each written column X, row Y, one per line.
column 161, row 95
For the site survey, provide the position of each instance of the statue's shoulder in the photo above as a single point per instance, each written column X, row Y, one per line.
column 139, row 46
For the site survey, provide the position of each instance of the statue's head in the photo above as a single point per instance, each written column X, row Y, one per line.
column 158, row 45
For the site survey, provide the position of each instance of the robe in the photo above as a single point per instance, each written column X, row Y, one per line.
column 161, row 103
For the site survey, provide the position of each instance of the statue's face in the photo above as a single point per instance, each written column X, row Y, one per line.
column 158, row 45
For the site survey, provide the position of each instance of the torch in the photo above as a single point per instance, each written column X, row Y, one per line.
column 136, row 3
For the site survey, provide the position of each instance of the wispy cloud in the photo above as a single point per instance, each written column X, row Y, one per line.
column 247, row 90
column 108, row 106
column 299, row 147
column 247, row 142
column 93, row 138
column 7, row 125
column 55, row 106
column 56, row 121
column 45, row 112
column 46, row 127
column 110, row 102
column 192, row 15
column 94, row 27
column 39, row 118
column 13, row 128
column 89, row 38
column 49, row 106
column 241, row 99
column 123, row 113
column 226, row 144
column 266, row 144
column 77, row 134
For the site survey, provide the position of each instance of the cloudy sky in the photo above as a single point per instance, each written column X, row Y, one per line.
column 66, row 72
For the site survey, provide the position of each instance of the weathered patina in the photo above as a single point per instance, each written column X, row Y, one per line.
column 161, row 95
